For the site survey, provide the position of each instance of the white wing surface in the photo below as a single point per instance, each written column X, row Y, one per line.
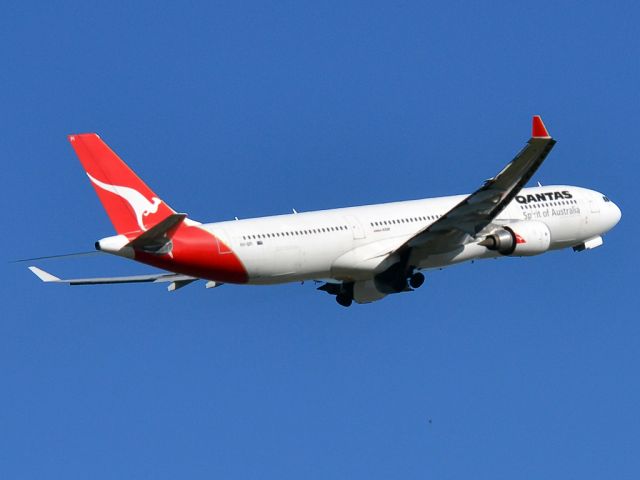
column 176, row 279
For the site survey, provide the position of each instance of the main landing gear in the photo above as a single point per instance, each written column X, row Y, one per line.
column 344, row 299
column 416, row 280
column 342, row 291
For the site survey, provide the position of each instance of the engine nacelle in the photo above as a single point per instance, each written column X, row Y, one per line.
column 365, row 291
column 520, row 239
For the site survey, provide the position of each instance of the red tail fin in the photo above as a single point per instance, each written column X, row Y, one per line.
column 130, row 203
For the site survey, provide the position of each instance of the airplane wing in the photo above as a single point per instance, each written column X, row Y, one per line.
column 177, row 280
column 479, row 209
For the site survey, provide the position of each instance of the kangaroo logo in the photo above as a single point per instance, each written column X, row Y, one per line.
column 140, row 205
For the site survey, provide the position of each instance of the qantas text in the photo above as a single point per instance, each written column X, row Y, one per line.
column 543, row 197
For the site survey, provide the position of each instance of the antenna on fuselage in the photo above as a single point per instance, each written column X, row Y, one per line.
column 294, row 210
column 539, row 184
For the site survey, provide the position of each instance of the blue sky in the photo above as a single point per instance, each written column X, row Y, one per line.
column 501, row 369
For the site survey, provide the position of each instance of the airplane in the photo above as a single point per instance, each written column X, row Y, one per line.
column 359, row 254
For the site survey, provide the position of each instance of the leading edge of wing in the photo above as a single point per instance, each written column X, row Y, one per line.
column 155, row 278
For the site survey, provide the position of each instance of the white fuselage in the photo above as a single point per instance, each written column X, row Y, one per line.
column 350, row 243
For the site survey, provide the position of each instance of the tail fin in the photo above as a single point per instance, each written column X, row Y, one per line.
column 130, row 203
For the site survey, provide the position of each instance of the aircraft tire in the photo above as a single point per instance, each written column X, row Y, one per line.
column 416, row 280
column 344, row 300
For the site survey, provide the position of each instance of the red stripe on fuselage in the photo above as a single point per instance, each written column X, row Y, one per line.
column 196, row 252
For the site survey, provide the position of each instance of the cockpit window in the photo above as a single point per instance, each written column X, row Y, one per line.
column 605, row 198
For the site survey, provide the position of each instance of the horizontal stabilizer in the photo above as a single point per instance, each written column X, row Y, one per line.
column 44, row 276
column 157, row 236
column 155, row 278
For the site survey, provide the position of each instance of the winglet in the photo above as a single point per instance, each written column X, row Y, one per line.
column 538, row 130
column 44, row 276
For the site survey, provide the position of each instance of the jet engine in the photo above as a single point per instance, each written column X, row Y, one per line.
column 519, row 239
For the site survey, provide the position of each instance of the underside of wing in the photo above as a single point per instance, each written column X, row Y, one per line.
column 460, row 225
column 479, row 209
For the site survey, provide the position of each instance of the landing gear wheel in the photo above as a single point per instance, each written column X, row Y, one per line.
column 344, row 300
column 416, row 280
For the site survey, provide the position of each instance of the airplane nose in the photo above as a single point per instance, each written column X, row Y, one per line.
column 616, row 214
